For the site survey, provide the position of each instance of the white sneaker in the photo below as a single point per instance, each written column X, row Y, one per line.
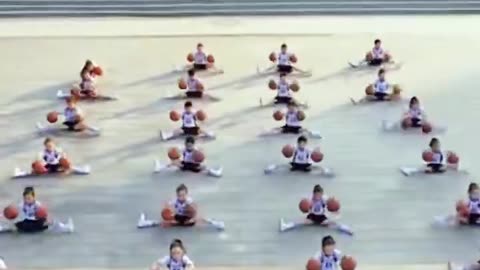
column 345, row 229
column 19, row 173
column 144, row 223
column 215, row 172
column 315, row 134
column 3, row 266
column 158, row 166
column 270, row 169
column 210, row 135
column 70, row 227
column 219, row 225
column 285, row 226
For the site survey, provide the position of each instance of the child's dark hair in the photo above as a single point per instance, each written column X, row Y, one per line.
column 188, row 104
column 284, row 46
column 199, row 44
column 177, row 243
column 381, row 71
column 190, row 139
column 317, row 188
column 413, row 100
column 302, row 139
column 328, row 241
column 29, row 191
column 377, row 41
column 191, row 72
column 47, row 140
column 85, row 66
column 182, row 187
column 472, row 187
column 433, row 141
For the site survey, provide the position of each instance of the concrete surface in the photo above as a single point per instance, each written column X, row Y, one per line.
column 390, row 214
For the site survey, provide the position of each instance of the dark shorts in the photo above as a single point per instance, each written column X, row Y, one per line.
column 376, row 62
column 290, row 129
column 182, row 220
column 284, row 68
column 436, row 168
column 71, row 124
column 53, row 168
column 194, row 131
column 474, row 219
column 31, row 226
column 282, row 100
column 380, row 95
column 416, row 123
column 194, row 94
column 200, row 66
column 190, row 166
column 317, row 219
column 300, row 167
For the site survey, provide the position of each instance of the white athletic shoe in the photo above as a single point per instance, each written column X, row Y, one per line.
column 69, row 227
column 215, row 172
column 165, row 135
column 219, row 225
column 210, row 135
column 3, row 266
column 285, row 226
column 270, row 169
column 315, row 134
column 144, row 223
column 158, row 166
column 344, row 229
column 19, row 173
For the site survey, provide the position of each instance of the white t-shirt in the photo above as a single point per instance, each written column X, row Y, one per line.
column 283, row 89
column 171, row 264
column 71, row 113
column 318, row 206
column 180, row 206
column 329, row 262
column 27, row 211
column 291, row 119
column 415, row 113
column 381, row 86
column 192, row 84
column 189, row 119
column 474, row 206
column 378, row 53
column 301, row 156
column 51, row 157
column 200, row 57
column 284, row 59
column 437, row 158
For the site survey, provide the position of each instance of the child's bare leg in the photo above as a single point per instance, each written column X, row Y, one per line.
column 285, row 226
column 206, row 133
column 339, row 227
column 273, row 131
column 219, row 225
column 299, row 70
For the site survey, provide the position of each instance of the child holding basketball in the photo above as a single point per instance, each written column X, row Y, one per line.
column 468, row 213
column 293, row 117
column 437, row 163
column 30, row 222
column 87, row 76
column 377, row 55
column 184, row 210
column 283, row 62
column 176, row 260
column 316, row 214
column 51, row 157
column 201, row 60
column 415, row 114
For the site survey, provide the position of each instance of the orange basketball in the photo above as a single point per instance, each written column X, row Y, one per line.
column 198, row 156
column 64, row 163
column 313, row 264
column 293, row 58
column 41, row 212
column 167, row 214
column 97, row 71
column 288, row 150
column 294, row 86
column 426, row 128
column 396, row 89
column 369, row 90
column 316, row 156
column 305, row 205
column 210, row 59
column 182, row 84
column 301, row 115
column 38, row 167
column 201, row 115
column 406, row 123
column 348, row 263
column 200, row 86
column 174, row 116
column 272, row 85
column 173, row 153
column 333, row 205
column 10, row 212
column 462, row 208
column 190, row 211
column 452, row 158
column 427, row 156
column 272, row 57
column 190, row 57
column 369, row 56
column 52, row 117
column 278, row 115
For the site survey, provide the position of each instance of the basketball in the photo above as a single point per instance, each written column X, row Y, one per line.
column 190, row 57
column 462, row 208
column 272, row 57
column 313, row 264
column 369, row 56
column 200, row 86
column 293, row 58
column 305, row 205
column 97, row 71
column 210, row 59
column 278, row 116
column 427, row 156
column 38, row 167
column 426, row 128
column 190, row 211
column 64, row 163
column 182, row 84
column 174, row 116
column 301, row 115
column 316, row 156
column 41, row 212
column 288, row 150
column 348, row 263
column 369, row 90
column 406, row 123
column 52, row 117
column 198, row 156
column 167, row 214
column 272, row 85
column 173, row 153
column 396, row 89
column 10, row 212
column 294, row 86
column 333, row 205
column 452, row 158
column 201, row 115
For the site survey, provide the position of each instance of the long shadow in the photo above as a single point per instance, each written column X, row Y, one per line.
column 128, row 151
column 239, row 83
column 160, row 105
column 44, row 93
column 153, row 79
